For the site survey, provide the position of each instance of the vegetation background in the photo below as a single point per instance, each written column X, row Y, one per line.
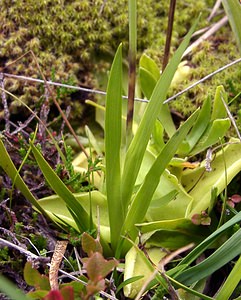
column 75, row 43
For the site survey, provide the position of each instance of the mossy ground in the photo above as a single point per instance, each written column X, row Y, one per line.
column 74, row 40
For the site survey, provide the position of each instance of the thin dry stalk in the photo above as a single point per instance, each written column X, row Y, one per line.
column 206, row 35
column 169, row 33
column 214, row 10
column 160, row 269
column 5, row 105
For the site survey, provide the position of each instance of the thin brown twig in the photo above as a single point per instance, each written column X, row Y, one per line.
column 5, row 105
column 206, row 35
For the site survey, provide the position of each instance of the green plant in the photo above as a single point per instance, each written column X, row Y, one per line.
column 120, row 217
column 130, row 199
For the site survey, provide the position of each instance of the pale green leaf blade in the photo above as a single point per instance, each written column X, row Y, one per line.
column 231, row 282
column 213, row 134
column 172, row 234
column 149, row 64
column 149, row 75
column 138, row 264
column 165, row 118
column 157, row 141
column 147, row 82
column 162, row 207
column 219, row 110
column 201, row 192
column 57, row 210
column 233, row 11
column 113, row 129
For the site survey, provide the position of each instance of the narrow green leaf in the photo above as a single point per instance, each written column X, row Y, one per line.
column 132, row 10
column 113, row 129
column 148, row 82
column 128, row 281
column 225, row 253
column 189, row 291
column 233, row 11
column 197, row 251
column 93, row 141
column 60, row 189
column 139, row 143
column 8, row 167
column 141, row 201
column 231, row 282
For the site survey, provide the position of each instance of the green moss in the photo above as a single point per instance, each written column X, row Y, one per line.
column 208, row 57
column 77, row 38
column 79, row 30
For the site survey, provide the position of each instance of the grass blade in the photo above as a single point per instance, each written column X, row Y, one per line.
column 230, row 249
column 60, row 189
column 113, row 129
column 230, row 284
column 209, row 240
